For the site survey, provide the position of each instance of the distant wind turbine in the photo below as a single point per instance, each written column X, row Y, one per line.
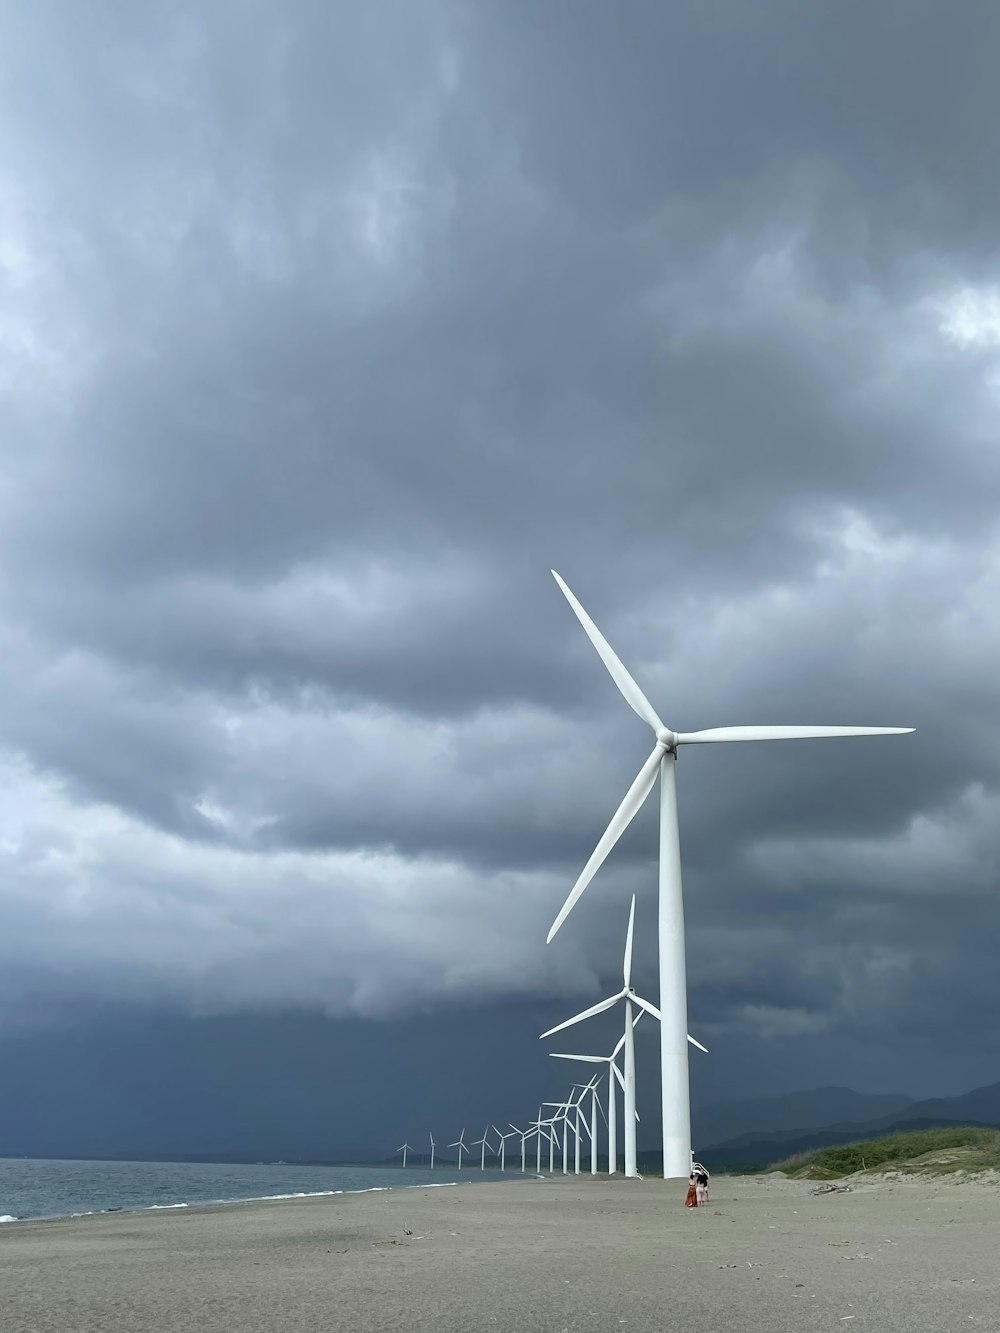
column 461, row 1145
column 560, row 1113
column 612, row 1114
column 593, row 1119
column 627, row 993
column 550, row 1125
column 404, row 1150
column 432, row 1152
column 675, row 1090
column 580, row 1121
column 485, row 1142
column 503, row 1144
column 525, row 1135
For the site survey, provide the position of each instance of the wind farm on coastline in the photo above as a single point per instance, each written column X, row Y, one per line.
column 568, row 1130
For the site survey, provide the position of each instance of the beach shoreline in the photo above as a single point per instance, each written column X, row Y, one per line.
column 242, row 1202
column 559, row 1253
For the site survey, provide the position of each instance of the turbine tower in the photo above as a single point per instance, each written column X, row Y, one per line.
column 673, row 982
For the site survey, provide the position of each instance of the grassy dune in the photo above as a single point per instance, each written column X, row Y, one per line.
column 925, row 1151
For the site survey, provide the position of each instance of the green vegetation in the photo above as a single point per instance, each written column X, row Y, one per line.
column 925, row 1151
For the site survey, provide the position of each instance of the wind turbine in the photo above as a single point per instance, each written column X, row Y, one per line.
column 593, row 1119
column 675, row 1089
column 534, row 1127
column 561, row 1112
column 432, row 1152
column 553, row 1138
column 581, row 1121
column 612, row 1115
column 573, row 1126
column 627, row 993
column 485, row 1142
column 460, row 1145
column 404, row 1150
column 524, row 1135
column 503, row 1144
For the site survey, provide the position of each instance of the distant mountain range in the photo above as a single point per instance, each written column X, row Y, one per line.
column 769, row 1132
column 796, row 1110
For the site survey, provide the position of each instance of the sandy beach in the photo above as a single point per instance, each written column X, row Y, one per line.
column 558, row 1255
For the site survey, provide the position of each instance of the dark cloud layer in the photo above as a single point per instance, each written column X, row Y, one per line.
column 326, row 331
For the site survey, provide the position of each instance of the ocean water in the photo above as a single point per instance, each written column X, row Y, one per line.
column 42, row 1188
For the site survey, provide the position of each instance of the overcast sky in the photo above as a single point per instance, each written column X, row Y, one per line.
column 325, row 331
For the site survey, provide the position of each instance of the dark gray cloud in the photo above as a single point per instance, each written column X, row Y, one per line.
column 326, row 332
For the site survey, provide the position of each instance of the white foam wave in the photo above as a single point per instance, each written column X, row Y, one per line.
column 259, row 1198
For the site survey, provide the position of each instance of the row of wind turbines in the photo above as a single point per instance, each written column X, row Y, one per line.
column 569, row 1115
column 671, row 1013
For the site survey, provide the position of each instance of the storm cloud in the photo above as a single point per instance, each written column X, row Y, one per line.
column 326, row 331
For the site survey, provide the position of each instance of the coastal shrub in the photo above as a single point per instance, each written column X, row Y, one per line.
column 980, row 1150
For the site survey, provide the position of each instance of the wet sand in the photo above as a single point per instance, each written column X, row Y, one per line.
column 560, row 1255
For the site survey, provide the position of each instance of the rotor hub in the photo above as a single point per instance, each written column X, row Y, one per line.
column 667, row 739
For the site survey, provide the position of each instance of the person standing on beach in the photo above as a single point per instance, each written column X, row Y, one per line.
column 701, row 1184
column 691, row 1198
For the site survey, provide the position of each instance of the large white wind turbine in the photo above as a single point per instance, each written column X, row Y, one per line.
column 433, row 1146
column 627, row 993
column 673, row 982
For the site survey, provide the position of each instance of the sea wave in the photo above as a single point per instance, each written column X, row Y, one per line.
column 254, row 1198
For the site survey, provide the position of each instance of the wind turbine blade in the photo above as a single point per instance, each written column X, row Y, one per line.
column 623, row 816
column 697, row 1043
column 782, row 733
column 644, row 1004
column 627, row 967
column 578, row 1018
column 591, row 1059
column 634, row 697
column 619, row 1077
